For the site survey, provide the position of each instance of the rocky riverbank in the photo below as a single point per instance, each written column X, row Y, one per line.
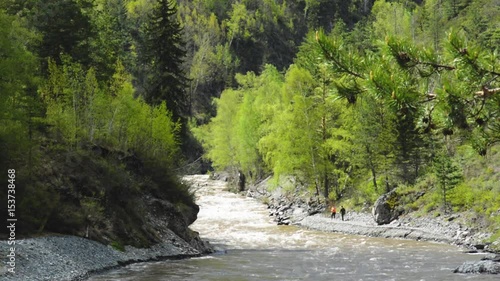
column 437, row 230
column 308, row 212
column 444, row 230
column 65, row 257
column 73, row 258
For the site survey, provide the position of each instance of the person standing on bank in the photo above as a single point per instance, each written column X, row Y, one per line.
column 334, row 211
column 342, row 212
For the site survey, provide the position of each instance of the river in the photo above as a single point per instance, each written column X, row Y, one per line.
column 252, row 248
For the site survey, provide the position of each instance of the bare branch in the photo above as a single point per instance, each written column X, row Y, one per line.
column 485, row 92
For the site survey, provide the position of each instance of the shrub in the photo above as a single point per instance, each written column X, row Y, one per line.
column 118, row 246
column 462, row 197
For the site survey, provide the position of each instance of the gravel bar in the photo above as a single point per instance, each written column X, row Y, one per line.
column 71, row 258
column 425, row 229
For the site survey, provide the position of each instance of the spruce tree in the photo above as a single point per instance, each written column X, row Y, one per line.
column 65, row 28
column 449, row 175
column 164, row 54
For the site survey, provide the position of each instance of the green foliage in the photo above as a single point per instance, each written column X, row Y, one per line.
column 163, row 54
column 374, row 138
column 432, row 202
column 20, row 116
column 225, row 37
column 113, row 41
column 367, row 119
column 392, row 18
column 118, row 246
column 66, row 29
column 259, row 115
column 366, row 193
column 292, row 151
column 231, row 138
column 210, row 59
column 247, row 132
column 20, row 108
column 217, row 137
column 475, row 192
column 82, row 111
column 38, row 203
column 366, row 106
column 448, row 174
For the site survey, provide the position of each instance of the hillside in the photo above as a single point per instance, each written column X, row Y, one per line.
column 405, row 101
column 103, row 102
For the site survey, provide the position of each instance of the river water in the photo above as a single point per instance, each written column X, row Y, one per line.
column 252, row 248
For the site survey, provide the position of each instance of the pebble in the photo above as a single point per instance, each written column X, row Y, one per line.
column 68, row 258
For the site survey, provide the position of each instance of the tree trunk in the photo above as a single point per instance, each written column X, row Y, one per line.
column 326, row 189
column 372, row 168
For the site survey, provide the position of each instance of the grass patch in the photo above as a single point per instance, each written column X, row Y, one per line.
column 117, row 246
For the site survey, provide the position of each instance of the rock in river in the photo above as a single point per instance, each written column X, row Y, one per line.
column 489, row 264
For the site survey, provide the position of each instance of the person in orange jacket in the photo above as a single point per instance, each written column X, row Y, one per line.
column 334, row 212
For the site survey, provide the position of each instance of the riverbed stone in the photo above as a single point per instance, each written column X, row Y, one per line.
column 482, row 266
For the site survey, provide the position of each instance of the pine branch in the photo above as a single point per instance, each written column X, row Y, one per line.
column 329, row 56
column 404, row 58
column 436, row 65
column 448, row 67
column 343, row 67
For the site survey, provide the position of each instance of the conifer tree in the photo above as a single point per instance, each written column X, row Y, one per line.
column 448, row 174
column 113, row 40
column 18, row 103
column 163, row 53
column 66, row 28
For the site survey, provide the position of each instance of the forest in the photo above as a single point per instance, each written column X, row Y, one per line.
column 103, row 101
column 406, row 99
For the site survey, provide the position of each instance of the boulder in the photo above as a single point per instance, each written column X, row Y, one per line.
column 385, row 208
column 492, row 257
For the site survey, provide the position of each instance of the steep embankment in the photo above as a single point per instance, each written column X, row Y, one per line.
column 110, row 196
column 92, row 209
